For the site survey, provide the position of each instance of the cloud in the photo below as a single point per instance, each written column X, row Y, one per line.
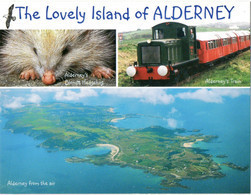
column 213, row 95
column 73, row 96
column 174, row 110
column 150, row 95
column 34, row 98
column 172, row 122
column 15, row 103
column 19, row 102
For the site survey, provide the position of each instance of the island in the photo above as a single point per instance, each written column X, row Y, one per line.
column 168, row 153
column 234, row 166
column 221, row 156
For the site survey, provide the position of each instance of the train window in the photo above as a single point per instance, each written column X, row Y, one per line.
column 215, row 44
column 210, row 44
column 181, row 32
column 150, row 54
column 192, row 34
column 159, row 34
column 198, row 44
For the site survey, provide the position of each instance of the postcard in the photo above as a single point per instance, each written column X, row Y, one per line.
column 125, row 97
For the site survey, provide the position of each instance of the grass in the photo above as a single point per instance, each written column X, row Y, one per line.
column 235, row 72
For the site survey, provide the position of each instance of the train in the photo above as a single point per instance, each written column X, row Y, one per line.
column 176, row 47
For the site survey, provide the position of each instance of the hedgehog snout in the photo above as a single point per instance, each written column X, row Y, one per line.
column 49, row 77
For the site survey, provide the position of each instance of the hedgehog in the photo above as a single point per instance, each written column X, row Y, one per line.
column 49, row 54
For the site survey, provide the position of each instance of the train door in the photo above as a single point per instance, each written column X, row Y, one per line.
column 220, row 45
column 192, row 43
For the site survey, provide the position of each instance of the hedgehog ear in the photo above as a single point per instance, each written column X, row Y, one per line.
column 21, row 31
column 84, row 34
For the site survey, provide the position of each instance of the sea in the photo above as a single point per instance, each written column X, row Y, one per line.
column 26, row 168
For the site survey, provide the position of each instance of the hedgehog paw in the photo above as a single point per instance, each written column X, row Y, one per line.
column 102, row 71
column 29, row 74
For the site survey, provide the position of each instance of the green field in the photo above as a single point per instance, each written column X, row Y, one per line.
column 164, row 152
column 236, row 71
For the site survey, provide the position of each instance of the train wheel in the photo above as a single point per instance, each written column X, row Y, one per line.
column 185, row 74
column 142, row 83
column 175, row 79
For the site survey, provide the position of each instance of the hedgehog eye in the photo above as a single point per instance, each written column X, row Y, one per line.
column 35, row 50
column 65, row 51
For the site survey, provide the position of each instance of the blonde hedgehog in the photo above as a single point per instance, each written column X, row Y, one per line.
column 49, row 54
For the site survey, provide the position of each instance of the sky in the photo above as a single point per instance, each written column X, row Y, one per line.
column 177, row 101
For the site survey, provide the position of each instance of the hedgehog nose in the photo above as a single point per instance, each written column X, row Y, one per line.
column 49, row 77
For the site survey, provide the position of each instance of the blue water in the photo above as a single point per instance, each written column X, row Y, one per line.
column 22, row 161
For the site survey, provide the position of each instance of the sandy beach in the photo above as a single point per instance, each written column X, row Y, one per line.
column 117, row 119
column 111, row 110
column 114, row 149
column 190, row 144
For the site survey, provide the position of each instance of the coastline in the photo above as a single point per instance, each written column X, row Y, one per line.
column 114, row 149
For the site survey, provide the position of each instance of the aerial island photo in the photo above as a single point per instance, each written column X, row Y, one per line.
column 125, row 140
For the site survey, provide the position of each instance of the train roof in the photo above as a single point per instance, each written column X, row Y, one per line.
column 170, row 23
column 224, row 34
column 231, row 33
column 242, row 33
column 163, row 40
column 206, row 36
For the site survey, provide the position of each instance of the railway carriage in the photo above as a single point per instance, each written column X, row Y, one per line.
column 233, row 42
column 213, row 46
column 226, row 43
column 175, row 48
column 208, row 46
column 243, row 39
column 247, row 34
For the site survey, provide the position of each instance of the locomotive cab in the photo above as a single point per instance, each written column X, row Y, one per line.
column 173, row 45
